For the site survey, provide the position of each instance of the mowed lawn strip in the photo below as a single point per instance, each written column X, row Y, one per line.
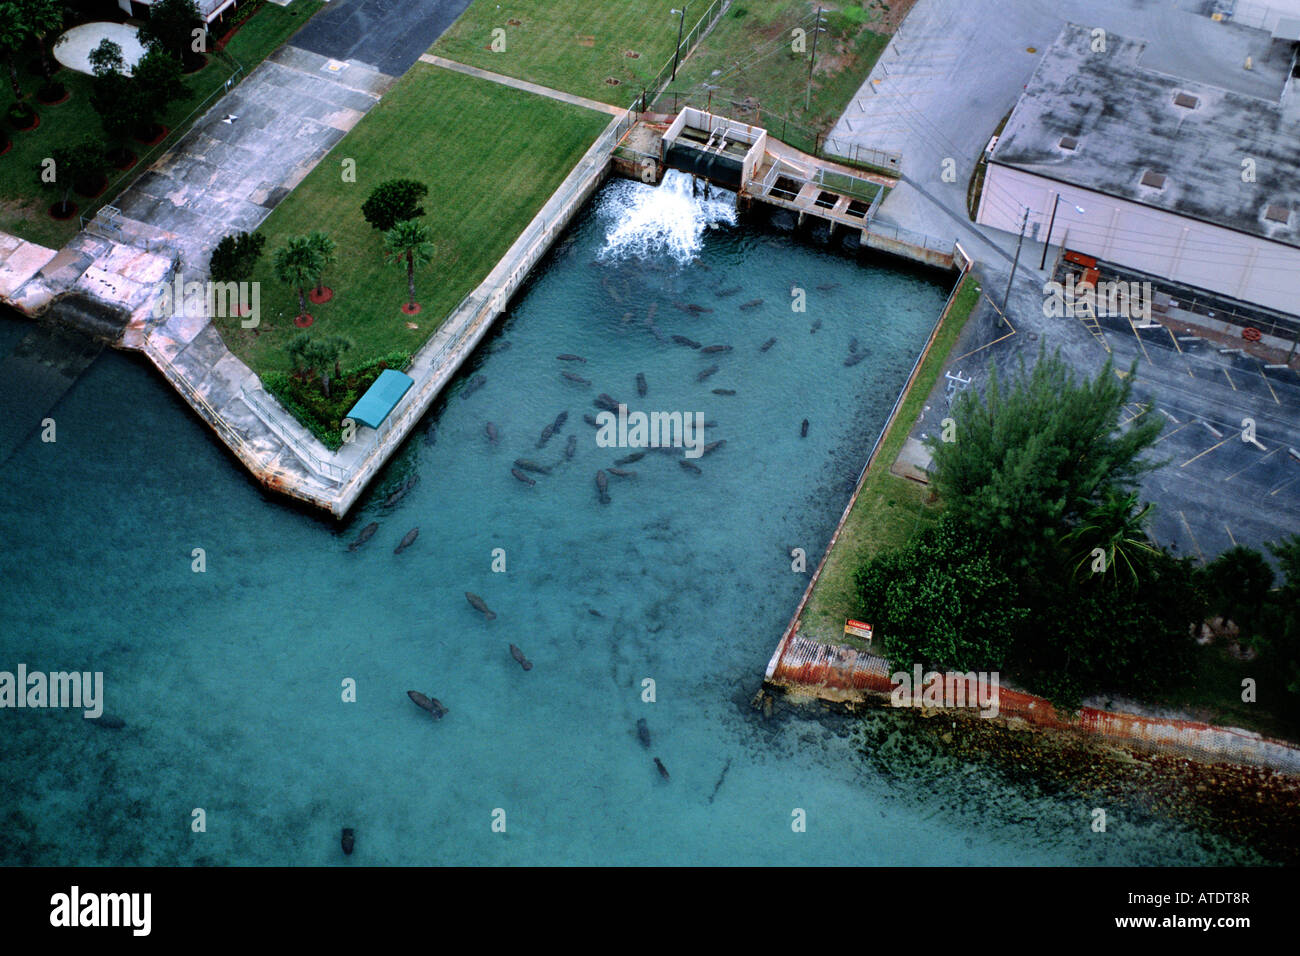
column 751, row 50
column 889, row 510
column 23, row 201
column 491, row 157
column 570, row 45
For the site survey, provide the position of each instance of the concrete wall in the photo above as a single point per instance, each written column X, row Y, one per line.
column 1196, row 253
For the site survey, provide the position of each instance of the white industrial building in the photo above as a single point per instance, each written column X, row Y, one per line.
column 1164, row 176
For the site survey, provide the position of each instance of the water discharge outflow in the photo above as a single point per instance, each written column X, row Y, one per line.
column 645, row 221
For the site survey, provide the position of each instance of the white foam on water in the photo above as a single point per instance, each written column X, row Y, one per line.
column 647, row 220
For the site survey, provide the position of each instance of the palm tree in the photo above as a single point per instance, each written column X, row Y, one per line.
column 410, row 241
column 297, row 263
column 325, row 352
column 298, row 348
column 325, row 247
column 1113, row 526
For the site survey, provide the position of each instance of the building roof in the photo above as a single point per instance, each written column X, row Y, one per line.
column 381, row 397
column 1155, row 139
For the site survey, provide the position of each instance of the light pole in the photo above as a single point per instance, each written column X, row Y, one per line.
column 681, row 22
column 1014, row 262
column 817, row 29
column 1050, row 224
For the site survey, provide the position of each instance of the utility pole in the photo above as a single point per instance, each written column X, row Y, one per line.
column 817, row 29
column 1024, row 220
column 678, row 49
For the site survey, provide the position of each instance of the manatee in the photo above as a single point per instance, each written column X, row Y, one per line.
column 817, row 324
column 640, row 384
column 522, row 477
column 575, row 378
column 683, row 340
column 663, row 771
column 853, row 345
column 621, row 472
column 643, row 733
column 478, row 604
column 572, row 447
column 689, row 466
column 527, row 464
column 606, row 402
column 366, row 534
column 716, row 348
column 767, row 345
column 706, row 373
column 109, row 722
column 591, row 420
column 657, row 334
column 594, row 613
column 560, row 419
column 828, row 286
column 477, row 382
column 431, row 434
column 803, row 429
column 349, row 840
column 697, row 309
column 628, row 459
column 407, row 541
column 752, row 304
column 547, row 432
column 724, row 391
column 566, row 357
column 729, row 292
column 518, row 655
column 431, row 704
column 855, row 358
column 602, row 486
column 501, row 346
column 491, row 430
column 395, row 497
column 713, row 446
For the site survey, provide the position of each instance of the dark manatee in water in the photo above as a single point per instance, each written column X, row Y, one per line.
column 752, row 304
column 479, row 604
column 640, row 384
column 475, row 383
column 519, row 475
column 491, row 430
column 591, row 420
column 560, row 419
column 706, row 373
column 527, row 464
column 716, row 348
column 683, row 340
column 622, row 473
column 643, row 733
column 713, row 446
column 349, row 840
column 767, row 345
column 602, row 486
column 724, row 391
column 572, row 447
column 366, row 534
column 629, row 459
column 689, row 466
column 803, row 429
column 855, row 358
column 431, row 704
column 407, row 541
column 572, row 377
column 547, row 432
column 567, row 357
column 607, row 402
column 109, row 722
column 518, row 655
column 663, row 771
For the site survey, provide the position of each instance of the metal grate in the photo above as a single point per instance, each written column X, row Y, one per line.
column 1278, row 214
column 1154, row 180
column 1186, row 101
column 1069, row 142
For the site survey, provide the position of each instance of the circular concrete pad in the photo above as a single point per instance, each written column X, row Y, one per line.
column 73, row 48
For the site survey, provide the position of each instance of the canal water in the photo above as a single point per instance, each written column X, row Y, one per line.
column 663, row 604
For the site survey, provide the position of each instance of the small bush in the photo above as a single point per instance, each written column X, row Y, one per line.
column 323, row 416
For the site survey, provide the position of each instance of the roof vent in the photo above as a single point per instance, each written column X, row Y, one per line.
column 1278, row 214
column 1069, row 142
column 1186, row 101
column 1154, row 180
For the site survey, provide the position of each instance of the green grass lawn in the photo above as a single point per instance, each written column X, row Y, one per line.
column 24, row 202
column 889, row 510
column 570, row 45
column 491, row 157
column 751, row 52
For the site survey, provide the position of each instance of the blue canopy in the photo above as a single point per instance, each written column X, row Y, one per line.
column 380, row 398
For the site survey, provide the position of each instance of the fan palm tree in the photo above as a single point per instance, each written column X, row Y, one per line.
column 325, row 353
column 1119, row 531
column 409, row 241
column 297, row 263
column 325, row 248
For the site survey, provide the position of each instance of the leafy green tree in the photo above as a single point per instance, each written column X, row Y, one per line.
column 410, row 242
column 44, row 17
column 297, row 263
column 107, row 59
column 15, row 30
column 325, row 249
column 155, row 84
column 77, row 163
column 942, row 601
column 170, row 29
column 1237, row 583
column 1117, row 527
column 1282, row 623
column 1030, row 458
column 325, row 353
column 235, row 257
column 394, row 201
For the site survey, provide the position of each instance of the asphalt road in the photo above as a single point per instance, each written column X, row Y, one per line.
column 386, row 35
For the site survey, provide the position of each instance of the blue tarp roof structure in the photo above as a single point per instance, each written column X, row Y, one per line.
column 380, row 398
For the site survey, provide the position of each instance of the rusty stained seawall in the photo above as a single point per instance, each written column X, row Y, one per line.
column 843, row 674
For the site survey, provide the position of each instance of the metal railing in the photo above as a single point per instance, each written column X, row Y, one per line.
column 326, row 469
column 889, row 231
column 702, row 26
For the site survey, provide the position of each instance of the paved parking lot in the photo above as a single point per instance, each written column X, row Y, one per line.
column 385, row 35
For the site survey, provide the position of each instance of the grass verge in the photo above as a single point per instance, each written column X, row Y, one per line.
column 491, row 157
column 889, row 510
column 24, row 201
column 570, row 45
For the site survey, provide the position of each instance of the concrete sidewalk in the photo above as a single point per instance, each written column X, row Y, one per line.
column 524, row 85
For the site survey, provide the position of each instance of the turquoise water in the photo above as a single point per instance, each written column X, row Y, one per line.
column 230, row 681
